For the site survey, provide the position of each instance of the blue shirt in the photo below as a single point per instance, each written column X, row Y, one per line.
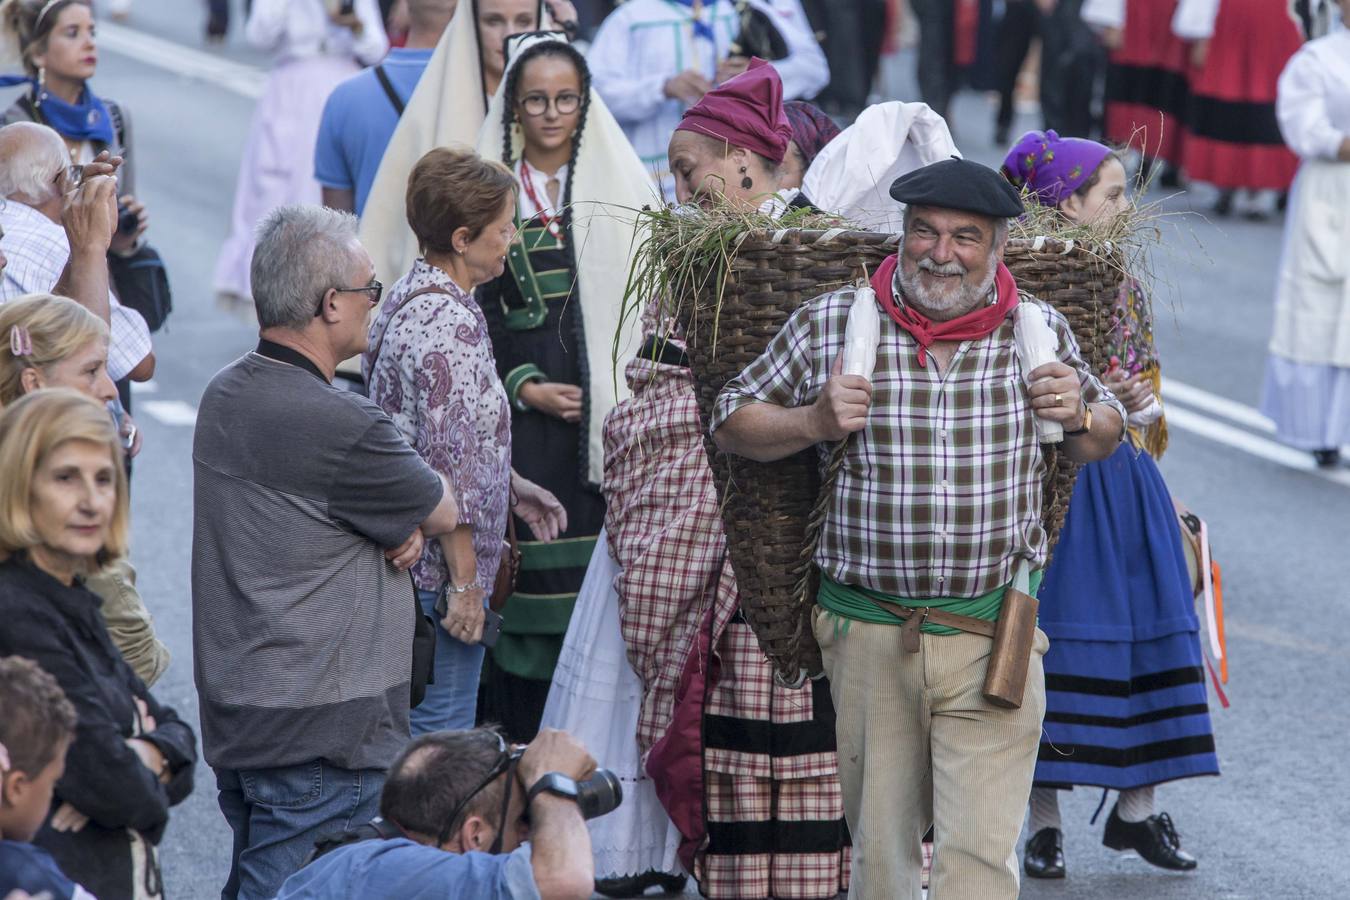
column 401, row 869
column 358, row 121
column 32, row 869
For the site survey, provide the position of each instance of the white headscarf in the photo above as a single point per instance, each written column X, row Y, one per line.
column 609, row 186
column 851, row 177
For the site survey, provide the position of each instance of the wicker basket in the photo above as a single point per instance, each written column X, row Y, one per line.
column 772, row 511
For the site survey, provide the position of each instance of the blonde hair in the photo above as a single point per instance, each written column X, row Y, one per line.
column 56, row 327
column 30, row 430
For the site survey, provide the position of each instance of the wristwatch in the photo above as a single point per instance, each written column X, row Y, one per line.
column 1087, row 422
column 554, row 783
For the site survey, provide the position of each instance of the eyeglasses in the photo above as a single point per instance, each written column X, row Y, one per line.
column 74, row 176
column 373, row 291
column 538, row 104
column 507, row 758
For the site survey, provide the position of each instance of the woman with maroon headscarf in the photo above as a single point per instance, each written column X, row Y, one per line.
column 746, row 769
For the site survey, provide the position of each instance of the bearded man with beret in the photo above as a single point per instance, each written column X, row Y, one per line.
column 936, row 506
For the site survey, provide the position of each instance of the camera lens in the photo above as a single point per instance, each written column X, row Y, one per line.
column 600, row 794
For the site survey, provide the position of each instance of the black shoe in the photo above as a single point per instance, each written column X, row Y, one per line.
column 1155, row 839
column 1223, row 207
column 637, row 885
column 1170, row 177
column 1327, row 459
column 1044, row 854
column 1001, row 135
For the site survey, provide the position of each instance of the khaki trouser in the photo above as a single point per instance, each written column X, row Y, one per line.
column 918, row 744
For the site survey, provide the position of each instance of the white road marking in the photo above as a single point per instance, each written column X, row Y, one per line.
column 145, row 387
column 1228, row 409
column 170, row 412
column 247, row 81
column 1262, row 448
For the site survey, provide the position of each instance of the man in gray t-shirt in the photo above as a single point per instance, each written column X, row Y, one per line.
column 309, row 507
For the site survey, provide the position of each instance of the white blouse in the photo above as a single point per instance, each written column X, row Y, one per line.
column 1313, row 103
column 539, row 184
column 296, row 29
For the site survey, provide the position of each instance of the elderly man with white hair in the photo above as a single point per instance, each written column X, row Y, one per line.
column 56, row 223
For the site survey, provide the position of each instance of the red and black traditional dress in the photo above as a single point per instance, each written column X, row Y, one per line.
column 1233, row 138
column 1146, row 90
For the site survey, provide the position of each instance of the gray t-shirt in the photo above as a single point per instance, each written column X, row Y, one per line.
column 302, row 631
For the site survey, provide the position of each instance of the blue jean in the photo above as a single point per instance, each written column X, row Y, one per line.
column 277, row 814
column 452, row 700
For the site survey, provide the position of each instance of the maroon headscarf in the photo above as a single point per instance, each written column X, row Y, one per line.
column 746, row 112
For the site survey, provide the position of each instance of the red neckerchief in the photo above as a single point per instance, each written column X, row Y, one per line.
column 976, row 324
column 549, row 222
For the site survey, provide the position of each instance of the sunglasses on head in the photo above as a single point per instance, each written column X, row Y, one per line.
column 507, row 759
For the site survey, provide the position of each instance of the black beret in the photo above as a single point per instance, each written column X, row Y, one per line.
column 959, row 184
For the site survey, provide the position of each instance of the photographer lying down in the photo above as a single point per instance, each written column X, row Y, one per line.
column 464, row 814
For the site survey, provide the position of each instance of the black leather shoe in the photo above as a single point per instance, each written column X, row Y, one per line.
column 1044, row 854
column 1155, row 839
column 637, row 885
column 1327, row 459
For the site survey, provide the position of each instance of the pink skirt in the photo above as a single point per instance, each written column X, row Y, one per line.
column 278, row 162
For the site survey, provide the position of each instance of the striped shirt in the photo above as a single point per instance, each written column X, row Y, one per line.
column 940, row 495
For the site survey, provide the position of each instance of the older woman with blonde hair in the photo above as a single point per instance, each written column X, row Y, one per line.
column 48, row 341
column 63, row 515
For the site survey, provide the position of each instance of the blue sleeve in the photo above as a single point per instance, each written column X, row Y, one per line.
column 24, row 867
column 331, row 168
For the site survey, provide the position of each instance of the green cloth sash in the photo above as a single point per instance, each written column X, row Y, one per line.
column 533, row 625
column 850, row 602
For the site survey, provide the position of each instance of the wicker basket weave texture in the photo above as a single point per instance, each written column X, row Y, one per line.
column 771, row 511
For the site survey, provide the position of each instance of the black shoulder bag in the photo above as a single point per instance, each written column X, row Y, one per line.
column 140, row 279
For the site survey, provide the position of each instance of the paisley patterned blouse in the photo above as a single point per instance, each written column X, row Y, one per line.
column 430, row 368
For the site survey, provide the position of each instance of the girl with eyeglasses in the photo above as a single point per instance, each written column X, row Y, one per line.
column 553, row 314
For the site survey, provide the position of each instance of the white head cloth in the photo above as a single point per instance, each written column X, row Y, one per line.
column 609, row 186
column 851, row 177
column 447, row 109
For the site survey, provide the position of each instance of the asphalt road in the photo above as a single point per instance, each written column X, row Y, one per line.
column 1272, row 826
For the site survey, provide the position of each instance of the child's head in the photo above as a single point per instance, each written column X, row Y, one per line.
column 36, row 726
column 1083, row 179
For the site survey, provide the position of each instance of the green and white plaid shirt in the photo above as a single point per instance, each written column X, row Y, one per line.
column 940, row 494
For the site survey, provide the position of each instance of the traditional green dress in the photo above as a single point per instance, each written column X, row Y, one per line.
column 534, row 319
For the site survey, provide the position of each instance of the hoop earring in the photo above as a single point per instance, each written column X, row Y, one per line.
column 746, row 181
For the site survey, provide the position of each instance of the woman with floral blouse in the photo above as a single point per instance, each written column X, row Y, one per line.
column 430, row 367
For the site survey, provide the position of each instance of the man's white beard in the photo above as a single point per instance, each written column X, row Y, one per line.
column 951, row 301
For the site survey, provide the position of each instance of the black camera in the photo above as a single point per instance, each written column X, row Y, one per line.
column 127, row 221
column 599, row 795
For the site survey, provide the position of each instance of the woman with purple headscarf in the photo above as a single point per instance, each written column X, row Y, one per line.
column 1126, row 704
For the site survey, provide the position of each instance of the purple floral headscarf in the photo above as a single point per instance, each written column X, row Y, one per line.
column 1052, row 167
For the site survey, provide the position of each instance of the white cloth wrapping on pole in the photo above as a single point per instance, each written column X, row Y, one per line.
column 446, row 109
column 1037, row 344
column 609, row 187
column 644, row 43
column 597, row 697
column 851, row 177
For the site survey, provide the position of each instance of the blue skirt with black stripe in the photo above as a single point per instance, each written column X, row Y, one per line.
column 1126, row 699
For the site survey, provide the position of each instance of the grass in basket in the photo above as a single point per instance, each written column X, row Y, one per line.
column 681, row 257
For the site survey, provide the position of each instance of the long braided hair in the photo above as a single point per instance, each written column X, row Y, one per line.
column 536, row 51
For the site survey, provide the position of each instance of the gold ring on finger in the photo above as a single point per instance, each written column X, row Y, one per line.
column 1059, row 399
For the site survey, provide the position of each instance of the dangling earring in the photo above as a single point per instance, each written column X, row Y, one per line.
column 746, row 182
column 42, row 79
